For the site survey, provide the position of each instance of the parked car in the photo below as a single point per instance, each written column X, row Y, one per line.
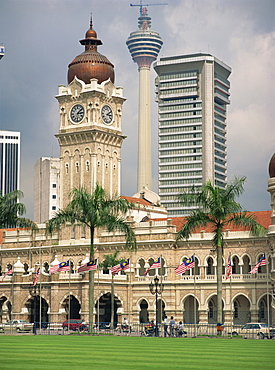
column 254, row 329
column 74, row 324
column 17, row 326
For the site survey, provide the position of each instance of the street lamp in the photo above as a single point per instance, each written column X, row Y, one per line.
column 155, row 290
column 34, row 294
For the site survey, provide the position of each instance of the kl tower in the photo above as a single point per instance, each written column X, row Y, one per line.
column 144, row 46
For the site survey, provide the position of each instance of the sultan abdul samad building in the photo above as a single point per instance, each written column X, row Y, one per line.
column 90, row 139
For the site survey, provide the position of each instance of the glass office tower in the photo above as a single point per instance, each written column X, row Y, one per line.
column 9, row 161
column 192, row 92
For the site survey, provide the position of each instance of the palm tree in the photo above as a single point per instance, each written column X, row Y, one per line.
column 95, row 210
column 217, row 207
column 11, row 211
column 111, row 260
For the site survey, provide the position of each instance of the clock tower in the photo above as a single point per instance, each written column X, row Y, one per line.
column 90, row 135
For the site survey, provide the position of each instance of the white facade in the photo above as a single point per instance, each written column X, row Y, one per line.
column 46, row 188
column 9, row 161
column 192, row 95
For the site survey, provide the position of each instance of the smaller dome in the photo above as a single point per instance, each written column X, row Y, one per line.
column 271, row 168
column 18, row 266
column 91, row 34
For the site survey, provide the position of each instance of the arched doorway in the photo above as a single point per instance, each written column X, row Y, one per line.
column 105, row 309
column 161, row 311
column 265, row 310
column 241, row 310
column 212, row 310
column 38, row 310
column 143, row 313
column 190, row 310
column 72, row 307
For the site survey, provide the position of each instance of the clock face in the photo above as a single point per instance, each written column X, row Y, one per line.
column 107, row 114
column 77, row 113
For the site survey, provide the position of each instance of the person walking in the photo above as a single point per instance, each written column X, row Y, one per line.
column 165, row 326
column 172, row 326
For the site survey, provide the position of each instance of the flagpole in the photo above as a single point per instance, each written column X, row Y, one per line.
column 161, row 276
column 40, row 299
column 129, row 294
column 195, row 301
column 69, row 293
column 231, row 305
column 12, row 290
column 98, row 298
column 267, row 297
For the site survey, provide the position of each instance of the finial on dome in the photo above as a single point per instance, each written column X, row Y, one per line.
column 91, row 21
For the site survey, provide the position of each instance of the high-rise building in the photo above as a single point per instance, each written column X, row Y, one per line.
column 192, row 95
column 9, row 161
column 46, row 188
column 144, row 46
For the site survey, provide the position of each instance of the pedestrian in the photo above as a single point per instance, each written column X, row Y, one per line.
column 180, row 329
column 172, row 326
column 165, row 325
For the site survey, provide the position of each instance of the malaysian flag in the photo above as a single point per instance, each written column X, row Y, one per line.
column 89, row 266
column 9, row 272
column 187, row 264
column 155, row 265
column 261, row 262
column 120, row 267
column 62, row 266
column 229, row 268
column 36, row 276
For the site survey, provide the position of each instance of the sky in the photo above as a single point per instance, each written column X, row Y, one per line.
column 41, row 38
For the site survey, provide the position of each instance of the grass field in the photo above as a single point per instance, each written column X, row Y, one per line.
column 84, row 352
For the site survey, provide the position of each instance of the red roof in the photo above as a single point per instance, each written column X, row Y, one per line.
column 262, row 217
column 137, row 200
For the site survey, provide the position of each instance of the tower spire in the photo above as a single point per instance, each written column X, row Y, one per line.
column 144, row 46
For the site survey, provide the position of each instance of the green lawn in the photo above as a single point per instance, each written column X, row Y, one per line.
column 108, row 352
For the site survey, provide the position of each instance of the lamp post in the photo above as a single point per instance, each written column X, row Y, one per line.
column 156, row 289
column 33, row 293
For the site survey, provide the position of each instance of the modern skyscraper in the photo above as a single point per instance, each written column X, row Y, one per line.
column 144, row 46
column 46, row 188
column 9, row 161
column 192, row 94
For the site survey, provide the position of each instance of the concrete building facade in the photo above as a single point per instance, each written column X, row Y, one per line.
column 46, row 188
column 192, row 92
column 9, row 161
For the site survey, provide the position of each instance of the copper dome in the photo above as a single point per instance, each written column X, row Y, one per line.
column 91, row 64
column 272, row 166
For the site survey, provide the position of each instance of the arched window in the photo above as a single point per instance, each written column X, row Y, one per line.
column 210, row 266
column 246, row 265
column 87, row 166
column 46, row 267
column 235, row 265
column 141, row 269
column 196, row 269
column 162, row 268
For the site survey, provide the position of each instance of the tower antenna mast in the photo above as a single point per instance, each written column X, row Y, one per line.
column 141, row 6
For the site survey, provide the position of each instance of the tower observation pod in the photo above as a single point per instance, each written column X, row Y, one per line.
column 144, row 46
column 2, row 51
